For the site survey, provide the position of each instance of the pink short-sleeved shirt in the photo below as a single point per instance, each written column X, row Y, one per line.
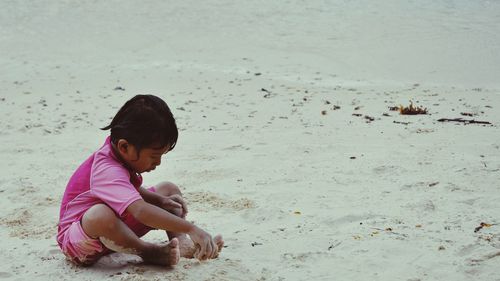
column 102, row 178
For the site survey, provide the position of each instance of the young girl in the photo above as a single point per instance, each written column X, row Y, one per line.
column 105, row 208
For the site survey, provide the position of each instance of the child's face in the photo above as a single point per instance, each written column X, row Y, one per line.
column 149, row 157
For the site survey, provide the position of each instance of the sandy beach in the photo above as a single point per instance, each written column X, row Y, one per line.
column 287, row 146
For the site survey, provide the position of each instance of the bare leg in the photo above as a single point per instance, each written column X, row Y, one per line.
column 185, row 243
column 101, row 222
column 168, row 189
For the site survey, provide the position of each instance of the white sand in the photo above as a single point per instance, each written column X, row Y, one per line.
column 265, row 168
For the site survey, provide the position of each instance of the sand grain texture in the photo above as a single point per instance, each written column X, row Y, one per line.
column 287, row 144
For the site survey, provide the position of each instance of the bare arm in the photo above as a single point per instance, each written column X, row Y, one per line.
column 158, row 218
column 169, row 203
column 150, row 197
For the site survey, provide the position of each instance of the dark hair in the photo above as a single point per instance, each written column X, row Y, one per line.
column 144, row 121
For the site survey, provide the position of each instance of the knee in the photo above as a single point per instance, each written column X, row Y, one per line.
column 99, row 216
column 167, row 188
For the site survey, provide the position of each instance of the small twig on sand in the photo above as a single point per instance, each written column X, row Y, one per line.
column 333, row 246
column 389, row 230
column 399, row 122
column 465, row 121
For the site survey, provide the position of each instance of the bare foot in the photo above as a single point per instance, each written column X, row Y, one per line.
column 189, row 249
column 219, row 242
column 186, row 247
column 163, row 255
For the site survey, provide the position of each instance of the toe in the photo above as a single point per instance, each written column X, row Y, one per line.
column 175, row 256
column 174, row 243
column 174, row 251
column 219, row 241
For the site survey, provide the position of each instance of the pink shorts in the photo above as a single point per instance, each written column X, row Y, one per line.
column 84, row 250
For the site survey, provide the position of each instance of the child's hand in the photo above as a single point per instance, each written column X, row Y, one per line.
column 207, row 249
column 175, row 204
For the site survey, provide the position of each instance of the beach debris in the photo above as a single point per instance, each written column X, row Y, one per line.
column 467, row 114
column 393, row 108
column 369, row 118
column 323, row 112
column 420, row 131
column 399, row 122
column 257, row 74
column 418, row 225
column 433, row 184
column 357, row 114
column 391, row 231
column 335, row 107
column 20, row 82
column 333, row 245
column 268, row 93
column 352, row 157
column 481, row 225
column 465, row 121
column 327, row 102
column 412, row 110
column 43, row 102
column 256, row 244
column 441, row 248
column 297, row 213
column 357, row 108
column 487, row 238
column 386, row 114
column 119, row 88
column 357, row 237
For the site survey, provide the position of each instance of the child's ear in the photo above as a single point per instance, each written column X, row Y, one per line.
column 122, row 146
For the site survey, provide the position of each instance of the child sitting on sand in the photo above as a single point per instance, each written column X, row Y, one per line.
column 106, row 209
